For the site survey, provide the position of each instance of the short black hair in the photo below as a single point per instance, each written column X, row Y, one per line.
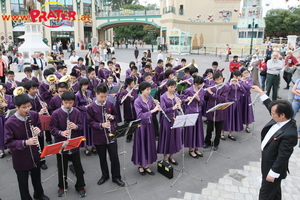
column 27, row 69
column 147, row 74
column 3, row 85
column 147, row 66
column 235, row 57
column 73, row 74
column 47, row 72
column 215, row 63
column 62, row 85
column 83, row 81
column 183, row 60
column 80, row 59
column 113, row 58
column 110, row 75
column 169, row 65
column 133, row 68
column 160, row 61
column 198, row 80
column 283, row 107
column 68, row 96
column 131, row 63
column 21, row 99
column 187, row 70
column 237, row 73
column 168, row 72
column 128, row 81
column 193, row 70
column 171, row 82
column 217, row 75
column 30, row 84
column 10, row 73
column 102, row 88
column 102, row 63
column 209, row 71
column 149, row 60
column 83, row 69
column 109, row 62
column 52, row 69
column 244, row 69
column 90, row 70
column 144, row 85
column 60, row 66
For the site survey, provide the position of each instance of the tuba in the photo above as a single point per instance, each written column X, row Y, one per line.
column 18, row 90
column 66, row 79
column 51, row 79
column 2, row 100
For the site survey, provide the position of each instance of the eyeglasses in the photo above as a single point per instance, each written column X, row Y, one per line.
column 272, row 114
column 25, row 109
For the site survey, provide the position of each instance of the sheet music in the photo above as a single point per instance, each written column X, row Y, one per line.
column 185, row 120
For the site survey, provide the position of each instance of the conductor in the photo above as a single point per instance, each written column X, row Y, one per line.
column 279, row 136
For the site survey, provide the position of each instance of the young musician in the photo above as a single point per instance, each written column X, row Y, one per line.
column 97, row 60
column 74, row 82
column 194, row 137
column 162, row 74
column 82, row 74
column 29, row 77
column 20, row 135
column 65, row 124
column 111, row 70
column 76, row 69
column 114, row 60
column 102, row 72
column 144, row 148
column 127, row 99
column 208, row 80
column 187, row 78
column 247, row 109
column 128, row 71
column 101, row 117
column 6, row 104
column 214, row 67
column 149, row 78
column 159, row 68
column 215, row 119
column 134, row 75
column 93, row 82
column 83, row 99
column 194, row 71
column 183, row 64
column 11, row 84
column 233, row 114
column 61, row 71
column 56, row 101
column 170, row 140
column 169, row 74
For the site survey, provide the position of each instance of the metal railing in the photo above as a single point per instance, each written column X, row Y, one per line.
column 169, row 9
column 128, row 12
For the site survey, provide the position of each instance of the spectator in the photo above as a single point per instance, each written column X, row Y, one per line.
column 254, row 69
column 228, row 52
column 105, row 54
column 148, row 54
column 263, row 73
column 269, row 51
column 234, row 65
column 73, row 59
column 296, row 101
column 290, row 61
column 20, row 62
column 136, row 54
column 3, row 69
column 160, row 56
column 283, row 50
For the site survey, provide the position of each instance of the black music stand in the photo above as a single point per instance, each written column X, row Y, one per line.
column 123, row 131
column 183, row 121
column 220, row 106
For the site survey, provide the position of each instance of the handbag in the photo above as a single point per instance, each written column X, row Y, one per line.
column 263, row 73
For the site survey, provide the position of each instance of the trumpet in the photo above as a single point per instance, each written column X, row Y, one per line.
column 32, row 132
column 162, row 111
column 2, row 100
column 194, row 96
column 109, row 134
column 51, row 79
column 124, row 98
column 117, row 70
column 154, row 71
column 18, row 90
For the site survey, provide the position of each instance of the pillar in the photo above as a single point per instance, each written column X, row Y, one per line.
column 292, row 39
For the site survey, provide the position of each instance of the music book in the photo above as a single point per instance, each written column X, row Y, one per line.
column 45, row 121
column 220, row 106
column 185, row 120
column 114, row 89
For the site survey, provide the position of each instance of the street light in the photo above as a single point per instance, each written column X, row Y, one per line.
column 145, row 7
column 251, row 45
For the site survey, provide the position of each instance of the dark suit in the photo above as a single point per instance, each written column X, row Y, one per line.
column 275, row 156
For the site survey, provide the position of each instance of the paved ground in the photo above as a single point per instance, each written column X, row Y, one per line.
column 215, row 176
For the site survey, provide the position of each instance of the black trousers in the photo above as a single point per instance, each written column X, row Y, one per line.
column 287, row 78
column 2, row 79
column 42, row 145
column 35, row 174
column 96, row 70
column 155, row 123
column 48, row 135
column 269, row 190
column 210, row 128
column 127, row 121
column 75, row 158
column 114, row 160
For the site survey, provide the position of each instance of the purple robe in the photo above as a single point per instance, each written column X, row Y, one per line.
column 108, row 72
column 9, row 89
column 128, row 107
column 233, row 114
column 45, row 93
column 95, row 118
column 170, row 140
column 24, row 80
column 153, row 85
column 75, row 86
column 15, row 134
column 59, row 123
column 219, row 96
column 128, row 72
column 144, row 147
column 93, row 84
column 10, row 105
column 248, row 115
column 36, row 106
column 209, row 82
column 78, row 67
column 81, row 77
column 194, row 136
column 54, row 104
column 58, row 75
column 163, row 89
column 177, row 67
column 204, row 75
column 102, row 74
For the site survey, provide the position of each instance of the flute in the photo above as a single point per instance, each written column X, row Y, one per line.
column 128, row 94
column 214, row 86
column 34, row 135
column 162, row 84
column 163, row 112
column 194, row 96
column 186, row 80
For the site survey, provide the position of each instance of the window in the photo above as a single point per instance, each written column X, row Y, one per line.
column 260, row 34
column 181, row 11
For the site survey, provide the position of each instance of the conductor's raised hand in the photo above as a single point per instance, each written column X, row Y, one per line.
column 257, row 89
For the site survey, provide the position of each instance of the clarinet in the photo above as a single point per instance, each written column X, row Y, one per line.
column 68, row 121
column 33, row 135
column 107, row 135
column 163, row 112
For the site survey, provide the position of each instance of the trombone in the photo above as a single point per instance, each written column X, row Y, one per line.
column 192, row 64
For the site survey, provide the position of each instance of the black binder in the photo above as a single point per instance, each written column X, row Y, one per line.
column 165, row 169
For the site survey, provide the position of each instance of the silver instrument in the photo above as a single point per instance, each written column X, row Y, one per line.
column 34, row 135
column 41, row 102
column 220, row 84
column 163, row 112
column 180, row 108
column 194, row 96
column 109, row 134
column 186, row 80
column 68, row 129
column 128, row 94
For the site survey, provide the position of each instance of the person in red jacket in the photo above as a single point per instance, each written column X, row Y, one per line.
column 234, row 65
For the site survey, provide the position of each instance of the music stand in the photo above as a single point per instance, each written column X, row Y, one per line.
column 123, row 131
column 45, row 121
column 183, row 121
column 220, row 106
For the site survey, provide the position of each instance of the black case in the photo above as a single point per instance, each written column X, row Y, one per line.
column 165, row 169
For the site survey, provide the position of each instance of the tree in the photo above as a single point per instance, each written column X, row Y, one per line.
column 280, row 23
column 130, row 32
column 133, row 7
column 117, row 4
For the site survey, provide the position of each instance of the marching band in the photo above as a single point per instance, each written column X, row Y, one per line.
column 91, row 102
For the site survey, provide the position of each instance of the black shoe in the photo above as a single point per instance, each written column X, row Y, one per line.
column 286, row 88
column 49, row 142
column 215, row 148
column 119, row 182
column 72, row 169
column 206, row 145
column 82, row 193
column 94, row 151
column 174, row 163
column 128, row 140
column 150, row 172
column 102, row 180
column 198, row 153
column 143, row 173
column 205, row 121
column 43, row 197
column 2, row 154
column 196, row 156
column 87, row 152
column 61, row 193
column 44, row 166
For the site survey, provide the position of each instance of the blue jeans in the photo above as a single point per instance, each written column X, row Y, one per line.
column 296, row 107
column 20, row 67
column 263, row 81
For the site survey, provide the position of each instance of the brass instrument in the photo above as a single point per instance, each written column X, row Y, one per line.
column 192, row 64
column 66, row 79
column 32, row 132
column 51, row 79
column 117, row 70
column 2, row 100
column 18, row 90
column 154, row 71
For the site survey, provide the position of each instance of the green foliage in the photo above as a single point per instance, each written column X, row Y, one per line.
column 280, row 23
column 132, row 32
column 117, row 4
column 133, row 7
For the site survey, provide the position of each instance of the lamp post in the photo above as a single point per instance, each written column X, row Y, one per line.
column 145, row 7
column 251, row 45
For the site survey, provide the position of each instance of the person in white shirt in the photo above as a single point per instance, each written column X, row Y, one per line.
column 160, row 56
column 37, row 66
column 73, row 59
column 4, row 57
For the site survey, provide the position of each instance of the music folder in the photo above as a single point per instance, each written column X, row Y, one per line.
column 185, row 120
column 45, row 121
column 220, row 106
column 114, row 89
column 126, row 129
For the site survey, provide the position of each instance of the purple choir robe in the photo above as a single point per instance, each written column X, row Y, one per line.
column 128, row 107
column 9, row 89
column 58, row 75
column 24, row 80
column 58, row 124
column 93, row 84
column 204, row 75
column 163, row 89
column 44, row 91
column 102, row 74
column 128, row 72
column 95, row 118
column 208, row 82
column 81, row 77
column 78, row 67
column 248, row 115
column 75, row 86
column 10, row 105
column 194, row 136
column 153, row 85
column 54, row 104
column 144, row 147
column 189, row 78
column 233, row 114
column 219, row 96
column 170, row 140
column 135, row 79
column 108, row 72
column 80, row 103
column 178, row 67
column 15, row 134
column 36, row 106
